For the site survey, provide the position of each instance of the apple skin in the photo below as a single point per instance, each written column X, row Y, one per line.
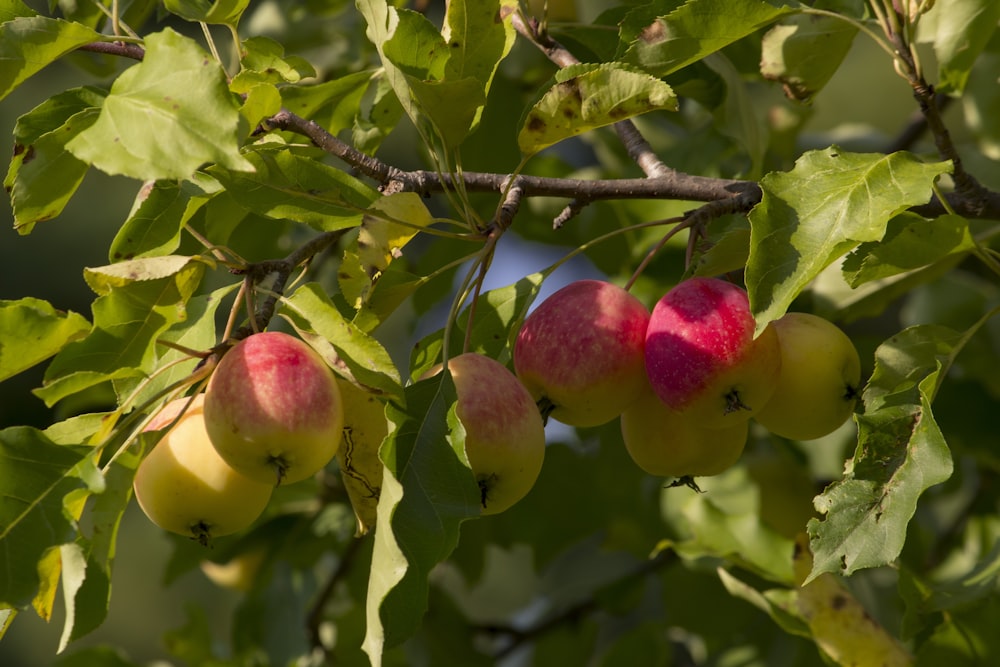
column 273, row 409
column 239, row 573
column 185, row 487
column 667, row 443
column 819, row 382
column 702, row 358
column 504, row 433
column 365, row 427
column 582, row 350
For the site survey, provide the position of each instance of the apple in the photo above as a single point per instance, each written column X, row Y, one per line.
column 504, row 432
column 273, row 409
column 365, row 427
column 580, row 352
column 185, row 487
column 819, row 381
column 239, row 572
column 668, row 443
column 701, row 355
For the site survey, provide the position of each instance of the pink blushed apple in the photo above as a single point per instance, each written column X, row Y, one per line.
column 273, row 410
column 702, row 358
column 581, row 352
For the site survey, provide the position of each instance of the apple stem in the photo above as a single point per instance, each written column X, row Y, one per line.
column 200, row 533
column 734, row 403
column 545, row 407
column 688, row 481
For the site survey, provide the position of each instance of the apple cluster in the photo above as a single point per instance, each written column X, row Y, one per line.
column 685, row 379
column 271, row 414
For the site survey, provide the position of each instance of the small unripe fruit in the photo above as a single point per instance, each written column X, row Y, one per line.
column 580, row 352
column 185, row 487
column 273, row 409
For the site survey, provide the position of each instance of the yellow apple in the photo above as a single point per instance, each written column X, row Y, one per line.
column 819, row 381
column 185, row 487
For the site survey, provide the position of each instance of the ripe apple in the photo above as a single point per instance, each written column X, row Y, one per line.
column 819, row 381
column 581, row 352
column 273, row 409
column 185, row 487
column 702, row 358
column 365, row 427
column 668, row 443
column 504, row 433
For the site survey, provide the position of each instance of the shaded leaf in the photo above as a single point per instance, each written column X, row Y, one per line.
column 901, row 452
column 803, row 52
column 31, row 330
column 827, row 205
column 428, row 490
column 584, row 97
column 30, row 43
column 165, row 117
column 226, row 12
column 959, row 31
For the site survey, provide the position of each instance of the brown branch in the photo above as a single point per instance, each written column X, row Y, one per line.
column 133, row 51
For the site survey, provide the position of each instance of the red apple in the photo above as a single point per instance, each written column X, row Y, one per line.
column 702, row 357
column 581, row 352
column 273, row 410
column 504, row 433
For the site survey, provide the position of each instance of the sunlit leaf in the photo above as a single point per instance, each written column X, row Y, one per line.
column 31, row 330
column 35, row 476
column 959, row 31
column 29, row 43
column 166, row 116
column 584, row 97
column 427, row 492
column 822, row 209
column 803, row 52
column 226, row 12
column 901, row 452
column 10, row 10
column 104, row 279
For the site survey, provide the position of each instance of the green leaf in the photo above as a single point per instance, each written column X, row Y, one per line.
column 35, row 476
column 166, row 116
column 959, row 31
column 10, row 10
column 310, row 308
column 696, row 29
column 803, row 52
column 29, row 43
column 910, row 242
column 428, row 490
column 286, row 186
column 901, row 452
column 127, row 321
column 226, row 12
column 498, row 314
column 43, row 175
column 95, row 656
column 822, row 209
column 584, row 97
column 160, row 211
column 264, row 60
column 336, row 102
column 31, row 330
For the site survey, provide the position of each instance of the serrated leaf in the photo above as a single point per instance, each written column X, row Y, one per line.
column 127, row 321
column 901, row 452
column 696, row 29
column 226, row 12
column 35, row 476
column 264, row 60
column 498, row 314
column 43, row 176
column 826, row 206
column 428, row 491
column 286, row 186
column 29, row 43
column 165, row 117
column 910, row 242
column 104, row 279
column 584, row 97
column 959, row 31
column 803, row 52
column 31, row 330
column 367, row 360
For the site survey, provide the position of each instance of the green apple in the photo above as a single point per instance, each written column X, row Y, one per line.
column 819, row 381
column 504, row 433
column 273, row 409
column 668, row 443
column 580, row 352
column 701, row 355
column 185, row 487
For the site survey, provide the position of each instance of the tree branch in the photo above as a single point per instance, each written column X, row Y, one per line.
column 133, row 51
